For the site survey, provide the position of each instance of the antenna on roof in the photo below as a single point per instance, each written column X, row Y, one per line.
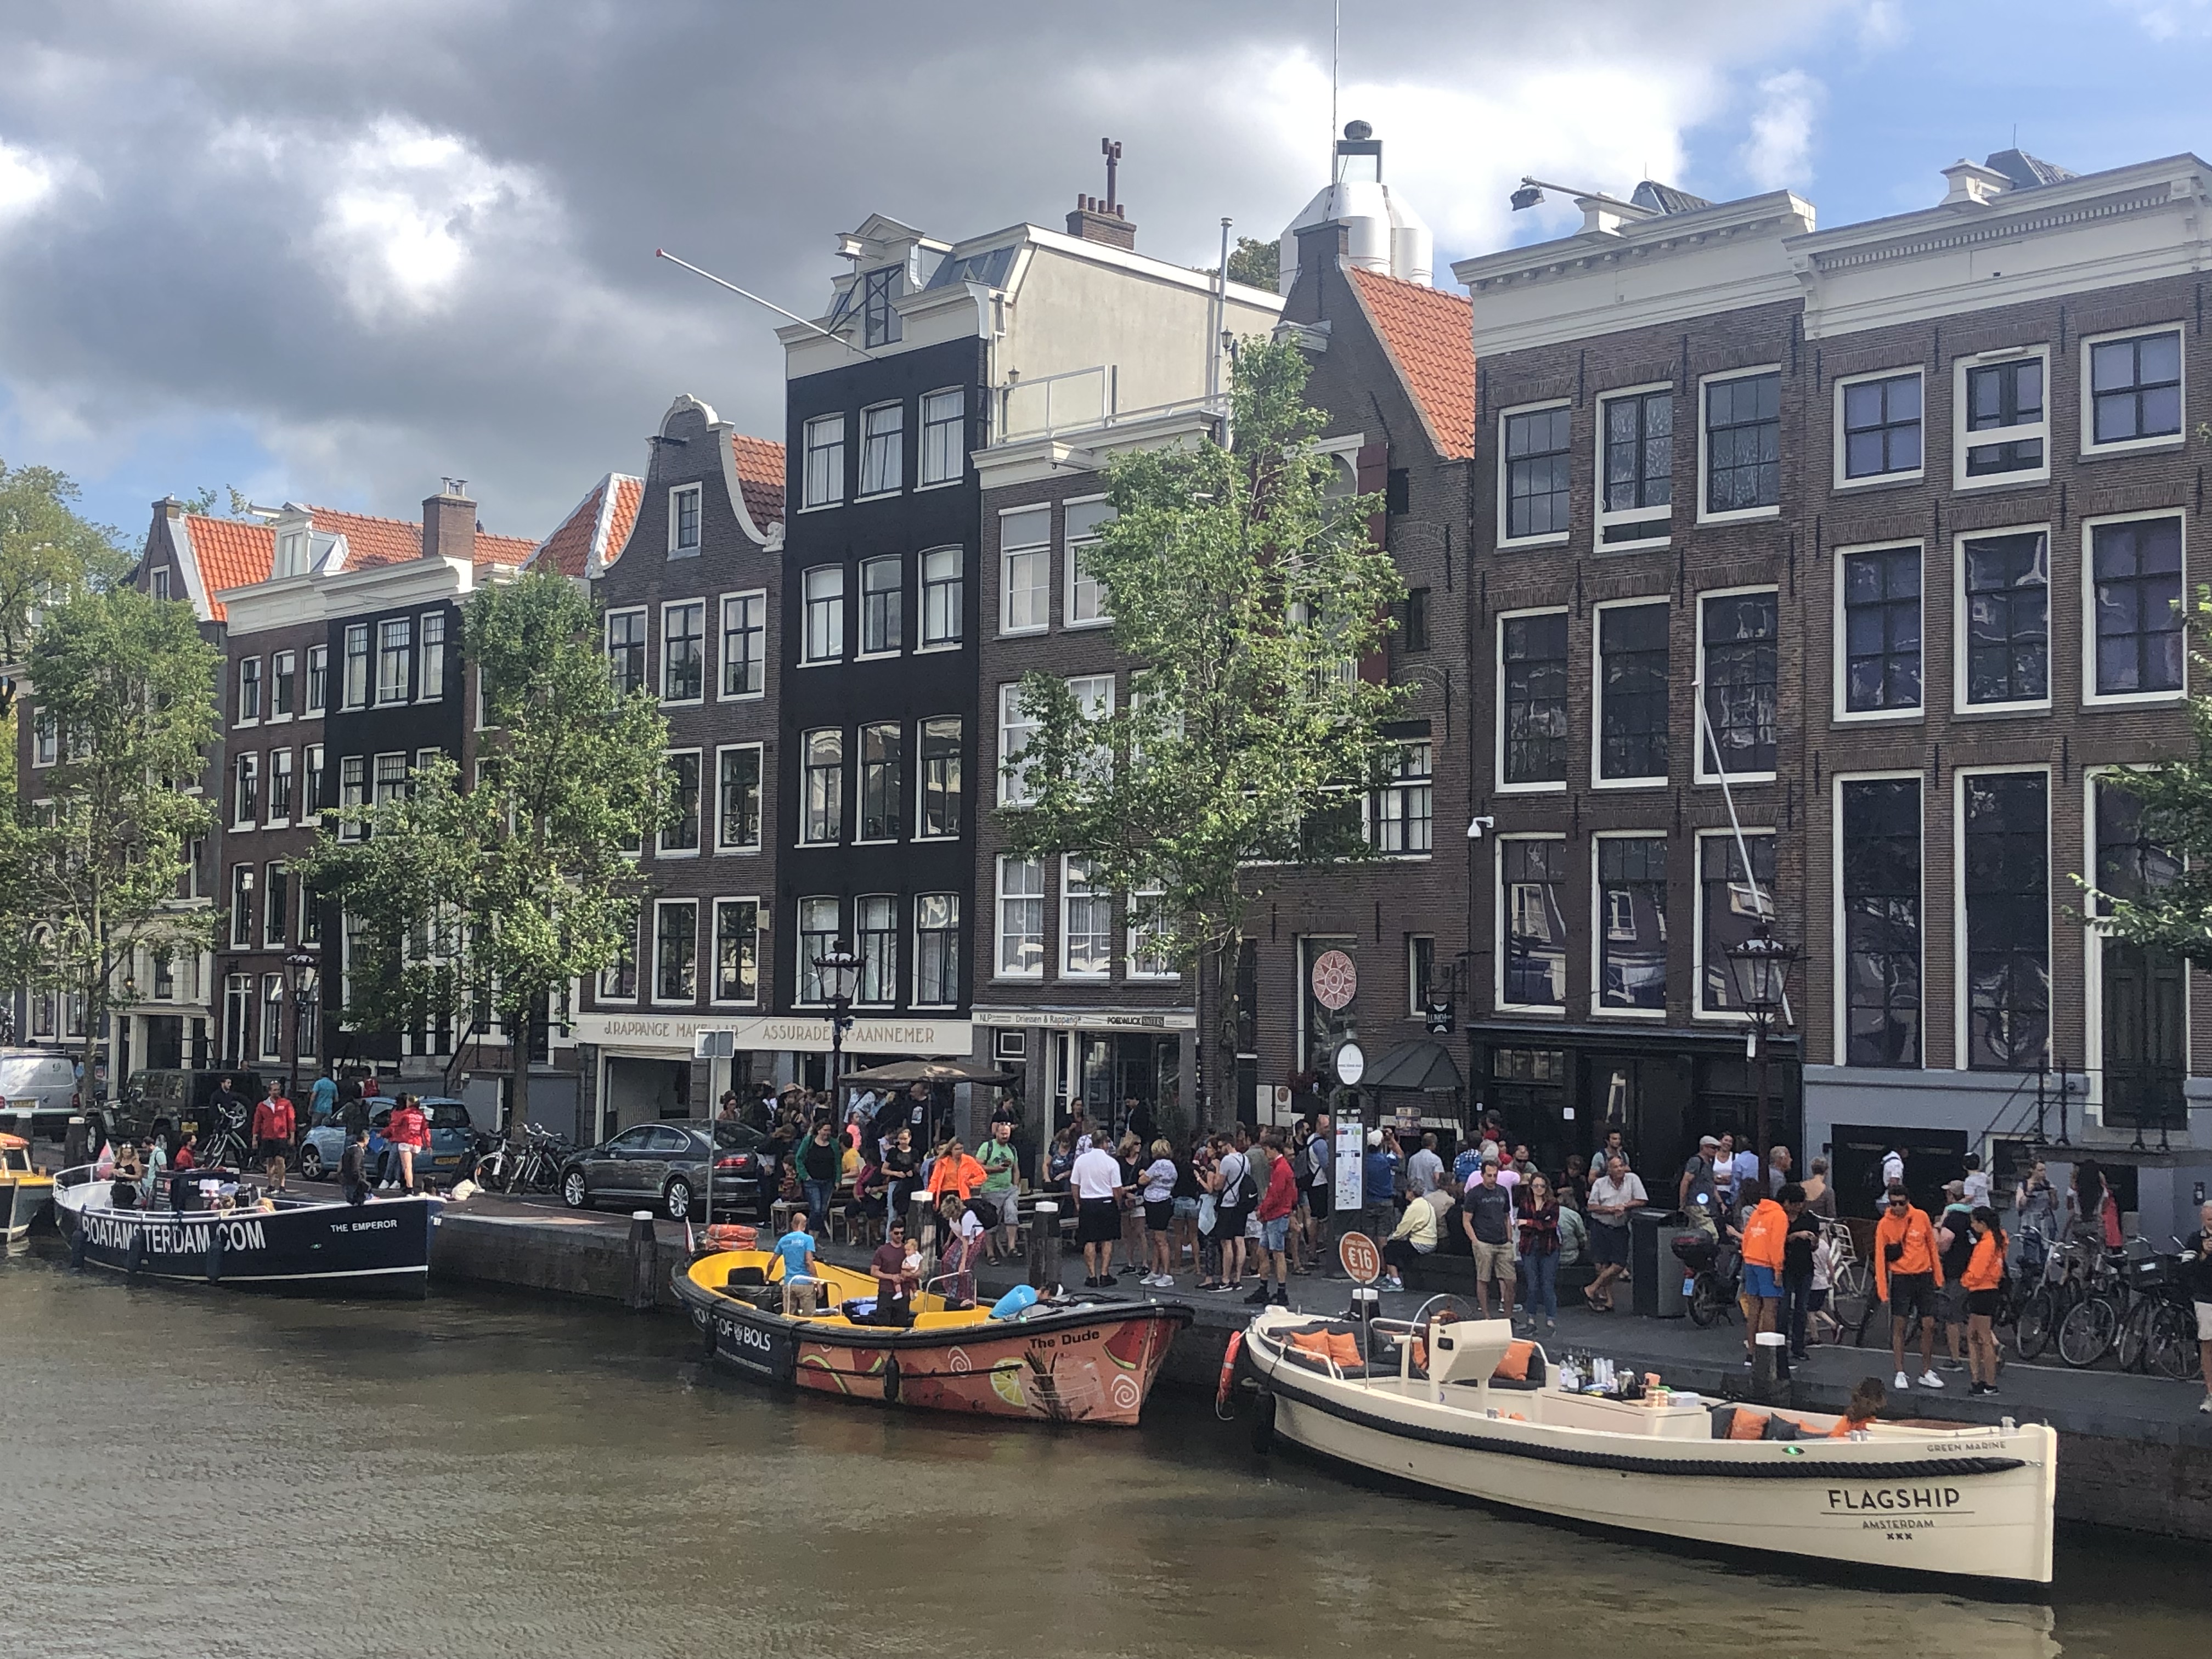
column 1336, row 55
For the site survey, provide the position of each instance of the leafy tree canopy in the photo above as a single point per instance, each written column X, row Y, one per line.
column 48, row 552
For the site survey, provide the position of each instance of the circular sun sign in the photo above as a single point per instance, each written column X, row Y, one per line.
column 1360, row 1258
column 1351, row 1064
column 1336, row 981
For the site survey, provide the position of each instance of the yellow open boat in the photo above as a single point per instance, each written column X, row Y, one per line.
column 1080, row 1362
column 24, row 1190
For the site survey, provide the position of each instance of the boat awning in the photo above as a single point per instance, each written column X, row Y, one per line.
column 1420, row 1066
column 902, row 1072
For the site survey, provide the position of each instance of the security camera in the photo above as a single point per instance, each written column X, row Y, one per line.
column 1475, row 830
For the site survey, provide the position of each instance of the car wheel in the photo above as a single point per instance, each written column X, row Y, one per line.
column 311, row 1163
column 574, row 1193
column 678, row 1200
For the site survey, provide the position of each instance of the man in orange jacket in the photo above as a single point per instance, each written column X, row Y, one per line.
column 1907, row 1272
column 1764, row 1230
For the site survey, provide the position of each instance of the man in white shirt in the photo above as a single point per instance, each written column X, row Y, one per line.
column 1611, row 1196
column 1425, row 1169
column 1096, row 1179
column 1977, row 1182
column 1893, row 1168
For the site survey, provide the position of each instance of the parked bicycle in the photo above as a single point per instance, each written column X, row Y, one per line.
column 534, row 1166
column 1710, row 1267
column 2046, row 1304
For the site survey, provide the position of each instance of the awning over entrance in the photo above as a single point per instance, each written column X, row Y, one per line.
column 1421, row 1065
column 900, row 1072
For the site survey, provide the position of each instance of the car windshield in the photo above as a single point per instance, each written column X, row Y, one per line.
column 19, row 1072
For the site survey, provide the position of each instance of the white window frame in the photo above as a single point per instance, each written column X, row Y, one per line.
column 46, row 738
column 661, row 849
column 276, row 716
column 258, row 679
column 1043, row 549
column 1134, row 950
column 859, row 772
column 959, row 957
column 1961, row 1015
column 2091, row 697
column 921, row 790
column 366, row 657
column 405, row 690
column 1959, row 706
column 860, row 651
column 1961, row 439
column 760, row 777
column 423, row 645
column 653, row 992
column 1597, row 695
column 836, row 836
column 1701, row 775
column 290, row 772
column 999, row 935
column 723, row 603
column 1839, row 946
column 309, row 707
column 2087, row 395
column 1401, row 784
column 1751, row 833
column 272, row 996
column 1599, row 926
column 715, row 989
column 245, row 770
column 357, row 791
column 678, row 549
column 1071, row 552
column 835, row 493
column 1839, row 710
column 861, row 490
column 1498, row 786
column 600, row 993
column 1012, row 790
column 1874, row 481
column 921, row 585
column 1600, row 519
column 645, row 680
column 894, row 934
column 1742, row 514
column 1550, row 538
column 2093, row 955
column 1498, row 931
column 807, row 604
column 959, row 423
column 1092, row 893
column 309, row 809
column 669, row 607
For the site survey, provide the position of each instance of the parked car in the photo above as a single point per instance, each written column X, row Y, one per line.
column 180, row 1096
column 38, row 1091
column 663, row 1166
column 454, row 1143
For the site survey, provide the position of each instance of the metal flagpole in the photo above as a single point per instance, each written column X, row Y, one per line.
column 663, row 253
column 1762, row 903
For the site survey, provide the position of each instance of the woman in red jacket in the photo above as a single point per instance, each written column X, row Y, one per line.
column 1984, row 1276
column 409, row 1131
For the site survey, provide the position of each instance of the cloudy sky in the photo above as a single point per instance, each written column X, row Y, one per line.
column 333, row 250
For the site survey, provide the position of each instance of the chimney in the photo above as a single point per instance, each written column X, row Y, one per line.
column 1095, row 221
column 1972, row 185
column 449, row 523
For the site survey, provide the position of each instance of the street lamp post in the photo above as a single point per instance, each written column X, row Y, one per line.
column 294, row 962
column 840, row 972
column 1762, row 964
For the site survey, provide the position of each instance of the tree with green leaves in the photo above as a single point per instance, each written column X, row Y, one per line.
column 92, row 855
column 1245, row 585
column 49, row 552
column 468, row 904
column 2163, row 903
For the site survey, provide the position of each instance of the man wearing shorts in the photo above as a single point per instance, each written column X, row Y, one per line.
column 1096, row 1181
column 2197, row 1279
column 273, row 1135
column 1000, row 1190
column 1488, row 1219
column 1278, row 1199
column 1907, row 1273
column 1613, row 1196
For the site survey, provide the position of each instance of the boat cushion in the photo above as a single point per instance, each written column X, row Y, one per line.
column 1341, row 1346
column 745, row 1278
column 1779, row 1427
column 1747, row 1424
column 1513, row 1368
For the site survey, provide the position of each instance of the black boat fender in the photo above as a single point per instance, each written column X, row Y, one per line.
column 1263, row 1422
column 890, row 1379
column 139, row 1251
column 77, row 1242
column 214, row 1267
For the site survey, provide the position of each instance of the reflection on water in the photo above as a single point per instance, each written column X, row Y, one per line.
column 203, row 1472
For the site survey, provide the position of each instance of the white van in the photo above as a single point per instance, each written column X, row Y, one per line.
column 36, row 1086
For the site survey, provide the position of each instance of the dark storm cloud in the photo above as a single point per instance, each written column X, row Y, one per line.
column 398, row 239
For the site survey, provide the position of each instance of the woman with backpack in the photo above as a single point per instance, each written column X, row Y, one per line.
column 1234, row 1196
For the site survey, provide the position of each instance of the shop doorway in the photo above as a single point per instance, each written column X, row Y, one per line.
column 641, row 1091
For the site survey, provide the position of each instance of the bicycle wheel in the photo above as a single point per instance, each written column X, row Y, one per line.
column 2133, row 1342
column 541, row 1174
column 2039, row 1322
column 2087, row 1333
column 2172, row 1352
column 1848, row 1297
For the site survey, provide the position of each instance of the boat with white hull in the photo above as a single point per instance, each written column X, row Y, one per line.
column 381, row 1248
column 1970, row 1502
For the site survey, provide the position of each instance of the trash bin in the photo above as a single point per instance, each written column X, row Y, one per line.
column 1655, row 1287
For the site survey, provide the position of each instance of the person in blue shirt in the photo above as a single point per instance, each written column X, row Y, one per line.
column 323, row 1099
column 1379, row 1175
column 796, row 1249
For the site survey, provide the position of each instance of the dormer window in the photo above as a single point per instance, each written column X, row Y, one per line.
column 292, row 553
column 879, row 322
column 684, row 521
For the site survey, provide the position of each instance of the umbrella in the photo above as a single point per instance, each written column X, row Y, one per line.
column 902, row 1072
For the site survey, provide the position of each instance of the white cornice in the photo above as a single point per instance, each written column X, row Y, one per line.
column 1086, row 449
column 284, row 602
column 397, row 584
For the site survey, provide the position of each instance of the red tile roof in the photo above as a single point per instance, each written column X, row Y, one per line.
column 1430, row 336
column 760, row 478
column 595, row 529
column 230, row 553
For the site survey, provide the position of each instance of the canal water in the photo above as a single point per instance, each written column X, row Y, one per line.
column 191, row 1474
